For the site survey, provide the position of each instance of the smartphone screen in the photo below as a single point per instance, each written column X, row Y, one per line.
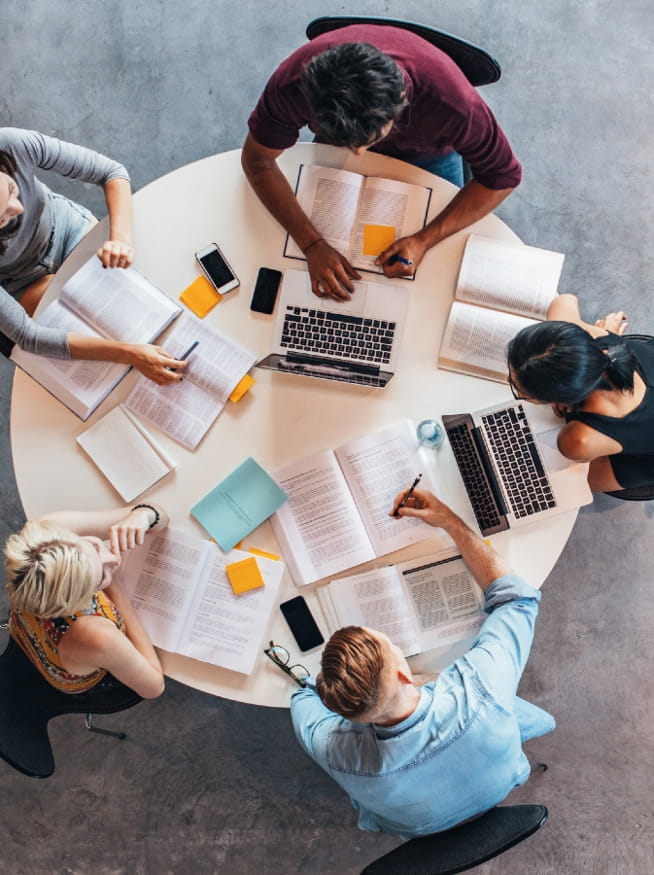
column 300, row 620
column 265, row 290
column 215, row 266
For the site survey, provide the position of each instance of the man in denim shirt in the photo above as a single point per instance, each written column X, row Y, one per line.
column 417, row 760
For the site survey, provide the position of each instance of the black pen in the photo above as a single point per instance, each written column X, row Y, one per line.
column 188, row 351
column 409, row 493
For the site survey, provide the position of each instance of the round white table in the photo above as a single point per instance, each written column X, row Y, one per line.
column 283, row 417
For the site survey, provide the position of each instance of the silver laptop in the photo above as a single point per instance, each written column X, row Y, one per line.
column 513, row 475
column 354, row 341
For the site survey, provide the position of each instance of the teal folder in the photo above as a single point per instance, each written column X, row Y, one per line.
column 240, row 503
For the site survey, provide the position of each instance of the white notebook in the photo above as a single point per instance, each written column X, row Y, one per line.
column 126, row 453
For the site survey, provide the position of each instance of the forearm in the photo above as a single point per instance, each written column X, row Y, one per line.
column 135, row 631
column 471, row 203
column 97, row 349
column 98, row 522
column 485, row 564
column 118, row 196
column 273, row 190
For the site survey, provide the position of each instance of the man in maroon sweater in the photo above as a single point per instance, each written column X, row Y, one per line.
column 385, row 89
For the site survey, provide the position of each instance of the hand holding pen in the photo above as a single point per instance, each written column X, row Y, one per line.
column 408, row 494
column 185, row 355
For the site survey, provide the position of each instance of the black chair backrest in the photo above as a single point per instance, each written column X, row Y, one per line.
column 479, row 67
column 28, row 702
column 465, row 846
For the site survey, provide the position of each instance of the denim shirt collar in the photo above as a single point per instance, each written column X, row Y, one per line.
column 423, row 706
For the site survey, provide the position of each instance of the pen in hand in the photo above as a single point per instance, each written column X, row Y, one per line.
column 408, row 495
column 399, row 258
column 186, row 354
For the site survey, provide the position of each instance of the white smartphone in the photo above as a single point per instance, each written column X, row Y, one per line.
column 216, row 268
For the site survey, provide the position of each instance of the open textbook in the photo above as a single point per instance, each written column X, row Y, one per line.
column 340, row 203
column 180, row 590
column 425, row 603
column 186, row 410
column 101, row 302
column 337, row 515
column 501, row 288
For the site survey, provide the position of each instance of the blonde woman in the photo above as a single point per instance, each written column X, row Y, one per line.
column 72, row 620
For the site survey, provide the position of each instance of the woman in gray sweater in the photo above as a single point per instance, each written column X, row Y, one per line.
column 39, row 229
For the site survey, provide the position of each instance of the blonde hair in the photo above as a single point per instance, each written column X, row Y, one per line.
column 47, row 573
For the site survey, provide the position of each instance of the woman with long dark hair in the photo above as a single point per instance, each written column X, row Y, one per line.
column 600, row 382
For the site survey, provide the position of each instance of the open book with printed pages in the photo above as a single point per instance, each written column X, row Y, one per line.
column 427, row 602
column 112, row 303
column 337, row 515
column 180, row 590
column 352, row 211
column 186, row 410
column 502, row 287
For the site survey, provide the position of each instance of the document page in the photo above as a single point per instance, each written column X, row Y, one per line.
column 226, row 629
column 80, row 385
column 216, row 364
column 376, row 599
column 319, row 528
column 446, row 599
column 389, row 202
column 378, row 467
column 159, row 577
column 119, row 303
column 476, row 338
column 330, row 198
column 517, row 279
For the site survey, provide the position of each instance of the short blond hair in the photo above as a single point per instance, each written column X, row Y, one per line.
column 47, row 573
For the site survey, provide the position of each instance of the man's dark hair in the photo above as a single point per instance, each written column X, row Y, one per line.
column 354, row 91
column 350, row 680
column 8, row 166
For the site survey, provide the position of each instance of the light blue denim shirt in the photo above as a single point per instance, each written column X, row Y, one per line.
column 460, row 752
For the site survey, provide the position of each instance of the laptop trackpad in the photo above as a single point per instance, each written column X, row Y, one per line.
column 554, row 460
column 355, row 306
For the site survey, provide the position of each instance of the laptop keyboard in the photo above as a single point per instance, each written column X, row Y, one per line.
column 518, row 461
column 474, row 478
column 338, row 334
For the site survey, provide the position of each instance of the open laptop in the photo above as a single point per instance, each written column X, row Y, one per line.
column 354, row 341
column 513, row 475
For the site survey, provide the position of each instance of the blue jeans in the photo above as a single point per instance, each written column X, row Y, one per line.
column 532, row 720
column 449, row 167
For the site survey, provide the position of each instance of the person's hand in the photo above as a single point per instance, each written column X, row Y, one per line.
column 410, row 249
column 422, row 504
column 116, row 253
column 616, row 322
column 131, row 530
column 155, row 363
column 331, row 273
column 560, row 410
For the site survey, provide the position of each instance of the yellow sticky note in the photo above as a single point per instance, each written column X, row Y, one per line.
column 241, row 388
column 376, row 238
column 200, row 296
column 263, row 553
column 244, row 575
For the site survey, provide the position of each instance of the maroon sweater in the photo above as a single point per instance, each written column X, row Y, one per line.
column 445, row 113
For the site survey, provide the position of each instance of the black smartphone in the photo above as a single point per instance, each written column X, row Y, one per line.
column 216, row 268
column 300, row 620
column 265, row 290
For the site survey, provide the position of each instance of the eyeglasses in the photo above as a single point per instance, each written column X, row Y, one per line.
column 281, row 657
column 514, row 389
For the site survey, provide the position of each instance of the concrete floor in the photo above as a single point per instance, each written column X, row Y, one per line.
column 204, row 785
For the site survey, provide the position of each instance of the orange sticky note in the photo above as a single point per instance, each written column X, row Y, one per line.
column 241, row 388
column 376, row 238
column 244, row 575
column 200, row 296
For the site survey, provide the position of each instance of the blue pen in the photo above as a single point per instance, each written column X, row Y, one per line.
column 188, row 351
column 395, row 258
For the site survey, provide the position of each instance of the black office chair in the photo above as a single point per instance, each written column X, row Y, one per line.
column 28, row 702
column 477, row 65
column 463, row 847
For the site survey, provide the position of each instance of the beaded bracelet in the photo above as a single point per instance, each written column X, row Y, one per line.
column 157, row 517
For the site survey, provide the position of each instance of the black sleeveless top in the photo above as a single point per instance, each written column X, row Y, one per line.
column 635, row 431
